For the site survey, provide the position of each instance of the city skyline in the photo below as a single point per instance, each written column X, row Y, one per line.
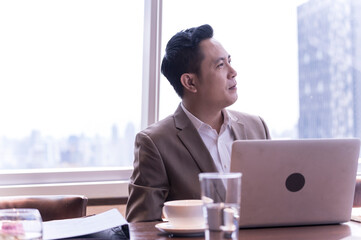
column 38, row 151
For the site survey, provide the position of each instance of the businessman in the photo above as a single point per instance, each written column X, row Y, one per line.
column 197, row 138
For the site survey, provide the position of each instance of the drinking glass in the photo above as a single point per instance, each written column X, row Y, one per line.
column 20, row 223
column 221, row 195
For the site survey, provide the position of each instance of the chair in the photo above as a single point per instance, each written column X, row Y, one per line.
column 357, row 197
column 51, row 207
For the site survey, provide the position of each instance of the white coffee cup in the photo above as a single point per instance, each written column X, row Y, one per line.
column 185, row 213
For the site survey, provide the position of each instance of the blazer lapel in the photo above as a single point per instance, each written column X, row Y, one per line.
column 237, row 127
column 193, row 142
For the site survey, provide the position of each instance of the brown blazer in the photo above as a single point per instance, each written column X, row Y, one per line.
column 169, row 155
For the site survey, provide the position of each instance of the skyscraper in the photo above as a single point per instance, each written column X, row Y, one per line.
column 329, row 54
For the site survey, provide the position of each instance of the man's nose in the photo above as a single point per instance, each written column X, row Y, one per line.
column 232, row 72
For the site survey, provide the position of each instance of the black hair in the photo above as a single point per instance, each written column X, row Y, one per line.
column 183, row 55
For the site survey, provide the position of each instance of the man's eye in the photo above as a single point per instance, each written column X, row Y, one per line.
column 220, row 65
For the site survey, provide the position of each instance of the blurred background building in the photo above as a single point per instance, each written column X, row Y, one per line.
column 329, row 54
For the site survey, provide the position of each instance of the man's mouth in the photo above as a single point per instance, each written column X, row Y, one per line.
column 233, row 87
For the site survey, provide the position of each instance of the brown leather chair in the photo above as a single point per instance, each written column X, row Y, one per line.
column 357, row 197
column 51, row 207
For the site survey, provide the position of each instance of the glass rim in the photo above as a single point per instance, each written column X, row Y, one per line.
column 217, row 175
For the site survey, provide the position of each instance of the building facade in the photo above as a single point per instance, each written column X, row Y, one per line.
column 329, row 54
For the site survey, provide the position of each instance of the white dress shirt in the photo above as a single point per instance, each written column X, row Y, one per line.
column 218, row 145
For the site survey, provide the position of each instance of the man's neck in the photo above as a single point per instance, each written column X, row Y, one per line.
column 208, row 115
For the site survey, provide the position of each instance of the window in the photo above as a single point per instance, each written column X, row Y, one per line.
column 70, row 83
column 293, row 60
column 297, row 61
column 70, row 95
column 67, row 68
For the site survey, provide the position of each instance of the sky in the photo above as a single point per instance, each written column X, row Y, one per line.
column 70, row 66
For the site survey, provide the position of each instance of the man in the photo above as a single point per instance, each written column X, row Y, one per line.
column 197, row 138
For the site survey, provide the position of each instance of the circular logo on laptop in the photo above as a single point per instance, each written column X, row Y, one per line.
column 295, row 182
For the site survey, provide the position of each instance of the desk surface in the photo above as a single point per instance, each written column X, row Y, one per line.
column 349, row 230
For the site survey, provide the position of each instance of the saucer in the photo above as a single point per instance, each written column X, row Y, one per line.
column 168, row 228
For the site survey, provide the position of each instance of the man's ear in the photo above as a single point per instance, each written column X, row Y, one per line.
column 188, row 82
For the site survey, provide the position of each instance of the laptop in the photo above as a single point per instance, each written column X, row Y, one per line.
column 296, row 182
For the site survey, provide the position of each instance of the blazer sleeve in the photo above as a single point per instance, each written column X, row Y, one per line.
column 148, row 187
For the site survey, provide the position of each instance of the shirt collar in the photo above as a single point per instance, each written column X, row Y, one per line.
column 198, row 123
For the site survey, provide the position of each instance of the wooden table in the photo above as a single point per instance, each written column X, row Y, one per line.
column 350, row 230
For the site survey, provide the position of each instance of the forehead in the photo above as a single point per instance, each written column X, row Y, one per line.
column 212, row 50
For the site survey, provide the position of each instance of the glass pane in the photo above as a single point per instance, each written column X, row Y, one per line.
column 68, row 73
column 298, row 62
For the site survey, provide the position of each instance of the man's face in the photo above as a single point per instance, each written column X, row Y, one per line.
column 216, row 81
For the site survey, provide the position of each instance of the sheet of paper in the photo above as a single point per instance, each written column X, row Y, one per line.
column 356, row 214
column 81, row 226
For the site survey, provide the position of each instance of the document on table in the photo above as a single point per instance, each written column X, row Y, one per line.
column 73, row 227
column 356, row 214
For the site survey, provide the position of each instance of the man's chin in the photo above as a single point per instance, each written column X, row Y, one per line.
column 234, row 99
column 231, row 101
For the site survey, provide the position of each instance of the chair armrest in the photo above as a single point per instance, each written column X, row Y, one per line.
column 51, row 207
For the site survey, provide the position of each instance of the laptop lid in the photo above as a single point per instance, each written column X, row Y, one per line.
column 296, row 182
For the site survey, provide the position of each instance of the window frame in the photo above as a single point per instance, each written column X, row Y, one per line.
column 99, row 182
